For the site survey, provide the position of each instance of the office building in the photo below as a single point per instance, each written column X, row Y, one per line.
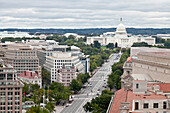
column 21, row 57
column 10, row 90
column 66, row 75
column 60, row 59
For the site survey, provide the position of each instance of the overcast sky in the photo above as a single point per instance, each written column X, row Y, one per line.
column 84, row 13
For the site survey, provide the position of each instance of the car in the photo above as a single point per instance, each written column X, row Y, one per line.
column 90, row 85
column 70, row 100
column 84, row 86
column 98, row 93
column 67, row 105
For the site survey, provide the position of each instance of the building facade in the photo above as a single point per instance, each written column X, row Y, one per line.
column 30, row 77
column 10, row 90
column 151, row 64
column 66, row 75
column 21, row 57
column 60, row 59
column 142, row 97
column 15, row 34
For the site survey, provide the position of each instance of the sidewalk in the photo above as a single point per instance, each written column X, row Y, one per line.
column 58, row 109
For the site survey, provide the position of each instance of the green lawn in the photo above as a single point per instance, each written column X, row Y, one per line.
column 103, row 47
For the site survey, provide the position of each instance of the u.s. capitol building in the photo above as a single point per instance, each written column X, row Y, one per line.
column 120, row 38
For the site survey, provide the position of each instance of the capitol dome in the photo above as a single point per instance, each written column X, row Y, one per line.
column 121, row 30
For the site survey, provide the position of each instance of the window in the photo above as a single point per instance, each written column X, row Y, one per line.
column 155, row 105
column 145, row 105
column 137, row 86
column 164, row 105
column 136, row 105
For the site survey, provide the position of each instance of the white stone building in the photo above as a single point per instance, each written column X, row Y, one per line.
column 74, row 34
column 60, row 59
column 15, row 34
column 120, row 38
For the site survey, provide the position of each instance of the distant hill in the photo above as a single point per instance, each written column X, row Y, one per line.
column 95, row 31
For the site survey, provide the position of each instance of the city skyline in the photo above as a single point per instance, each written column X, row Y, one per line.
column 84, row 14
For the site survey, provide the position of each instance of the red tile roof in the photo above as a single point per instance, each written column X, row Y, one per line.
column 129, row 96
column 29, row 74
column 129, row 59
column 165, row 87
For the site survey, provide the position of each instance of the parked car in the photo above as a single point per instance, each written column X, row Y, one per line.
column 90, row 85
column 98, row 93
column 84, row 86
column 67, row 105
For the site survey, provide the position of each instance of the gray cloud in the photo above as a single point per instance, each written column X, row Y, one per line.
column 83, row 13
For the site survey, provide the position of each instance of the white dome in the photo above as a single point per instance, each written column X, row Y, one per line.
column 121, row 29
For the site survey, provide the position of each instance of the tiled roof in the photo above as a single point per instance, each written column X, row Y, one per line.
column 165, row 87
column 119, row 97
column 129, row 96
column 29, row 74
column 129, row 59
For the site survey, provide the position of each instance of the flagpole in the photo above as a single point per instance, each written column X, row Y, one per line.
column 44, row 96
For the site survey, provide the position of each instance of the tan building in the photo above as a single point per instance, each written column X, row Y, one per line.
column 67, row 74
column 151, row 64
column 10, row 90
column 21, row 57
column 154, row 64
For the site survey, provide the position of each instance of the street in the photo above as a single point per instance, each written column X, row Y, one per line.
column 98, row 83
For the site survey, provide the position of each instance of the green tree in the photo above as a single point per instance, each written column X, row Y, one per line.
column 34, row 87
column 26, row 88
column 167, row 44
column 37, row 109
column 110, row 46
column 50, row 106
column 140, row 44
column 97, row 44
column 45, row 76
column 99, row 104
column 75, row 85
column 83, row 77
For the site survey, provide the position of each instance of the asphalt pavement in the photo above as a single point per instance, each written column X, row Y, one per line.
column 98, row 83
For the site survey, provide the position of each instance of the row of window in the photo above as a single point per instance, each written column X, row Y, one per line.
column 10, row 112
column 9, row 88
column 26, row 61
column 62, row 60
column 146, row 105
column 10, row 108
